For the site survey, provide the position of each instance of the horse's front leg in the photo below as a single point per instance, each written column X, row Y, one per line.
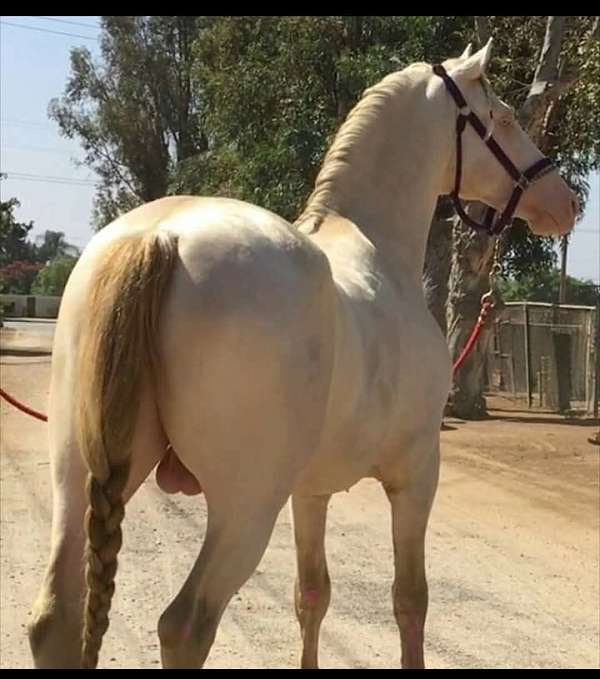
column 411, row 501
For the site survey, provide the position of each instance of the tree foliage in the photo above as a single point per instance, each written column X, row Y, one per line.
column 51, row 280
column 570, row 129
column 275, row 90
column 544, row 286
column 14, row 245
column 21, row 259
column 134, row 112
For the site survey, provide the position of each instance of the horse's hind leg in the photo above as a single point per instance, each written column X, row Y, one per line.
column 312, row 591
column 236, row 537
column 56, row 621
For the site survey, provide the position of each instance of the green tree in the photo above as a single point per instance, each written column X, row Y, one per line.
column 20, row 258
column 544, row 287
column 51, row 280
column 275, row 90
column 17, row 254
column 14, row 245
column 134, row 112
column 53, row 244
column 17, row 277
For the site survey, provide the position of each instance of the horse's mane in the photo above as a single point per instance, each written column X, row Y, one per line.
column 360, row 121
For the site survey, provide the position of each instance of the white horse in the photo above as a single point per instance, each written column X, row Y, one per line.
column 261, row 360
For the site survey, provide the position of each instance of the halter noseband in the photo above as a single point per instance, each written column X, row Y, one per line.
column 522, row 179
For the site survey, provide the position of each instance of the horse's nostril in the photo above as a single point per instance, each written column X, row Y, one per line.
column 575, row 205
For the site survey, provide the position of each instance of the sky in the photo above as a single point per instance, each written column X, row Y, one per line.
column 41, row 165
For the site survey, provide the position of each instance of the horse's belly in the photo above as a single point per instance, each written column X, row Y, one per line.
column 336, row 468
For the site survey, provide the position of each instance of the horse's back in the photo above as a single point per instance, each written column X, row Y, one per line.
column 233, row 257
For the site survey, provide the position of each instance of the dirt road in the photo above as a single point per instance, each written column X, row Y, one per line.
column 512, row 554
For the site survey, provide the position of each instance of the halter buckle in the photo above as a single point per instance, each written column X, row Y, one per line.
column 522, row 182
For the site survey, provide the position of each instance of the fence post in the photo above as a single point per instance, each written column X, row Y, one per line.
column 597, row 361
column 527, row 355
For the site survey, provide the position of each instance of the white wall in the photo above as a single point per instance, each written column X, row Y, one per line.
column 34, row 306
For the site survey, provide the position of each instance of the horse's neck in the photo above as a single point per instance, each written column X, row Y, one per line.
column 389, row 183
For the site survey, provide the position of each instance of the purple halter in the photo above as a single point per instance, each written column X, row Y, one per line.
column 522, row 180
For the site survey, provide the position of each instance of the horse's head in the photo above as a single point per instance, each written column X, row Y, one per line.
column 546, row 203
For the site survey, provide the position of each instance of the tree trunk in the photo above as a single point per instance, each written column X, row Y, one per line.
column 469, row 280
column 545, row 86
column 484, row 32
column 437, row 268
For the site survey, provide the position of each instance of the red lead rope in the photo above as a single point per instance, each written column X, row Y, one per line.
column 22, row 407
column 486, row 305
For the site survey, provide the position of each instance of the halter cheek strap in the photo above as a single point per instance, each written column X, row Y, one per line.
column 522, row 180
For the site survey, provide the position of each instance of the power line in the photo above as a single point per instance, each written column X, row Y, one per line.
column 66, row 21
column 50, row 179
column 45, row 177
column 47, row 30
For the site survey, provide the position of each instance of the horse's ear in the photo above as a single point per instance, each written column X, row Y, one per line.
column 467, row 53
column 474, row 67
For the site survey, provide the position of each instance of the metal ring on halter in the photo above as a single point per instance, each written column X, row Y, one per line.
column 522, row 182
column 488, row 296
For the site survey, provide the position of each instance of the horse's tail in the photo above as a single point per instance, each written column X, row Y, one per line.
column 118, row 345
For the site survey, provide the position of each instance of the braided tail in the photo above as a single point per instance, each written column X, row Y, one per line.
column 117, row 349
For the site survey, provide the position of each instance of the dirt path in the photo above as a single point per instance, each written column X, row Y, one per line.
column 513, row 554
